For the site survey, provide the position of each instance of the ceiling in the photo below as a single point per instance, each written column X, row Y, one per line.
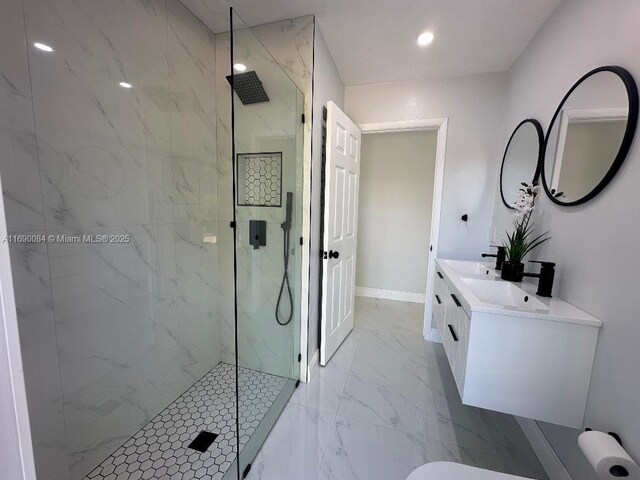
column 374, row 41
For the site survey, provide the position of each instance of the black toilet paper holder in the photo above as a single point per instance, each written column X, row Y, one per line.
column 617, row 471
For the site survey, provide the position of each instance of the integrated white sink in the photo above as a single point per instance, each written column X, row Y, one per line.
column 504, row 294
column 486, row 292
column 462, row 267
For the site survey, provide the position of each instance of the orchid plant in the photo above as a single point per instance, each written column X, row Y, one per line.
column 521, row 241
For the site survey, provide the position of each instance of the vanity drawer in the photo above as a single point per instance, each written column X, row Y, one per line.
column 439, row 303
column 464, row 327
column 456, row 339
column 454, row 327
column 450, row 329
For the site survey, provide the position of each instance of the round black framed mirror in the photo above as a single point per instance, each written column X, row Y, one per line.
column 521, row 160
column 590, row 135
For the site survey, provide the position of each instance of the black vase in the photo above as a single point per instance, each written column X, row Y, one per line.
column 512, row 271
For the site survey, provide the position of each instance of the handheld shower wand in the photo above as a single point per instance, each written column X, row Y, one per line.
column 286, row 228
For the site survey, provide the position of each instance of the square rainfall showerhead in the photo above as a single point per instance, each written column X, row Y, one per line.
column 248, row 87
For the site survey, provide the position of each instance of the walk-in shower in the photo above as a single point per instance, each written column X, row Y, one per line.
column 130, row 175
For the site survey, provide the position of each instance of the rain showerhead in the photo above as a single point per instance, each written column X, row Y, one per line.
column 248, row 87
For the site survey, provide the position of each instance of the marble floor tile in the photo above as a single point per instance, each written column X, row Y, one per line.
column 325, row 391
column 385, row 404
column 371, row 397
column 296, row 445
column 360, row 450
column 389, row 316
column 395, row 407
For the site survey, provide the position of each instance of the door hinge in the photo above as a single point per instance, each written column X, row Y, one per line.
column 232, row 224
column 297, row 383
column 304, row 118
column 301, row 240
column 431, row 248
column 246, row 471
column 299, row 357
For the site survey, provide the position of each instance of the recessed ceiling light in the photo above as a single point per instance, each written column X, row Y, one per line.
column 425, row 38
column 43, row 46
column 240, row 67
column 125, row 85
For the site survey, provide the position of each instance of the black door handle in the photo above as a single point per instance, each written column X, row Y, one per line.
column 438, row 299
column 455, row 300
column 453, row 333
column 439, row 274
column 333, row 254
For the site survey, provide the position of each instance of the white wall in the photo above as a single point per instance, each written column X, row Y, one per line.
column 595, row 245
column 474, row 106
column 394, row 220
column 327, row 85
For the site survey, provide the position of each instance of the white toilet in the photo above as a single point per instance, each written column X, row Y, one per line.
column 456, row 471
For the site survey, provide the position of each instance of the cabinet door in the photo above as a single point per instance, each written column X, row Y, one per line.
column 440, row 289
column 464, row 329
column 460, row 326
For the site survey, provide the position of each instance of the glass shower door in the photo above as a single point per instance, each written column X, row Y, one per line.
column 267, row 164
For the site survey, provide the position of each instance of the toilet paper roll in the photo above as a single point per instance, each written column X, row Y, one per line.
column 607, row 457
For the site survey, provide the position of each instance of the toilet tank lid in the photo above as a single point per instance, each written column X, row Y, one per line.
column 457, row 471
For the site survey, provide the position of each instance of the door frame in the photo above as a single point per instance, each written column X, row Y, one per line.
column 14, row 400
column 417, row 125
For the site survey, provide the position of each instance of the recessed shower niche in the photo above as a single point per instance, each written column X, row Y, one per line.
column 259, row 179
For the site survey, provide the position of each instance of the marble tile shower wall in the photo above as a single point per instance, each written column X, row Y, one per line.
column 262, row 344
column 111, row 333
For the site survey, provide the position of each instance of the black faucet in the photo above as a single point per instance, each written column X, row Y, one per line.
column 547, row 272
column 500, row 256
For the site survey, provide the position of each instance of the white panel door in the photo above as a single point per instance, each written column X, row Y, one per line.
column 342, row 179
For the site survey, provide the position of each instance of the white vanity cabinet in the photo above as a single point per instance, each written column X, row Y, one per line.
column 530, row 356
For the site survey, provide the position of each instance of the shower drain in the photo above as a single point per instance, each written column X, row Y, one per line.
column 203, row 441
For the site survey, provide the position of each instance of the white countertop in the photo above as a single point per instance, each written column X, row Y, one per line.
column 556, row 309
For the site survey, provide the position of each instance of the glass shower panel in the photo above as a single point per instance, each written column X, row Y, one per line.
column 111, row 169
column 267, row 142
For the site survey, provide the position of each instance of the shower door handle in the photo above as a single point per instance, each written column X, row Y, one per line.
column 333, row 254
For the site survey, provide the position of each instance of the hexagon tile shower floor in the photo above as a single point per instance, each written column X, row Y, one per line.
column 161, row 448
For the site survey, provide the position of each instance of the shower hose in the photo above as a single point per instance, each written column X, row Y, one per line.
column 285, row 279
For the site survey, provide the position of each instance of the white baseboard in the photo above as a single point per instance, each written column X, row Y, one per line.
column 313, row 366
column 544, row 451
column 390, row 294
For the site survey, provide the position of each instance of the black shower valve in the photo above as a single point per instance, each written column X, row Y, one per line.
column 258, row 233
